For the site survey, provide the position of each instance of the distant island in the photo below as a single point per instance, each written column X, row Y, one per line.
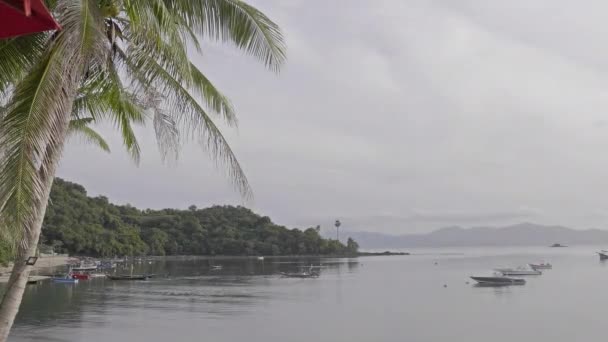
column 523, row 234
column 92, row 226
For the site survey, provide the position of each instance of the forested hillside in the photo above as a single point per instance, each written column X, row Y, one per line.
column 82, row 225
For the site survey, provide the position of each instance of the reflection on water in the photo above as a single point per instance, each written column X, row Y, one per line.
column 424, row 297
column 183, row 286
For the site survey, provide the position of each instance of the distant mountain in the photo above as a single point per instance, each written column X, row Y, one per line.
column 523, row 234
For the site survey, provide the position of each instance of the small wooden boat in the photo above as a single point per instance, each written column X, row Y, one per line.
column 603, row 255
column 557, row 245
column 130, row 277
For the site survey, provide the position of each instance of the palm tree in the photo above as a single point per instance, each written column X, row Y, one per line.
column 122, row 61
column 338, row 224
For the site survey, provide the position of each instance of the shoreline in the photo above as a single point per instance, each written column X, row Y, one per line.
column 385, row 253
column 46, row 261
column 43, row 263
column 255, row 257
column 49, row 261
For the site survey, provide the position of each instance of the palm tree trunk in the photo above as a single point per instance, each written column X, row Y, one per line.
column 9, row 307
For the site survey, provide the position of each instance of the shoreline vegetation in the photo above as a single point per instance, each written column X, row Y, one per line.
column 79, row 225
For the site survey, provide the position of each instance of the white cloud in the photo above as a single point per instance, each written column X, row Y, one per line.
column 388, row 106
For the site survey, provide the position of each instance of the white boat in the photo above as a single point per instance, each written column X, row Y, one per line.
column 541, row 266
column 520, row 271
column 498, row 280
column 106, row 265
column 216, row 267
column 97, row 275
column 260, row 258
column 83, row 267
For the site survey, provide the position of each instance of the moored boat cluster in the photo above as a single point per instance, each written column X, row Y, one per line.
column 86, row 268
column 505, row 276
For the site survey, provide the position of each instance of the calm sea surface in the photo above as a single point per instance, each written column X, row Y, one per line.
column 398, row 298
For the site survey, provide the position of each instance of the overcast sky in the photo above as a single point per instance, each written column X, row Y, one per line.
column 400, row 116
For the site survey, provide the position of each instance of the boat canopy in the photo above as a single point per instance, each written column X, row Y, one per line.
column 22, row 17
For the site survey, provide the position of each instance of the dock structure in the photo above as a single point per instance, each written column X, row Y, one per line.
column 30, row 280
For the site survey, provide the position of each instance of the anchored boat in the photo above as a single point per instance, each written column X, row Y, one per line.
column 498, row 280
column 81, row 276
column 303, row 274
column 85, row 267
column 541, row 266
column 520, row 271
column 97, row 275
column 130, row 277
column 65, row 280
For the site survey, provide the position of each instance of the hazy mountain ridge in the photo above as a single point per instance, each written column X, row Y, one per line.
column 523, row 234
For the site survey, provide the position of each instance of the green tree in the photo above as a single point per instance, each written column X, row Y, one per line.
column 156, row 240
column 332, row 247
column 113, row 60
column 352, row 247
column 93, row 226
column 338, row 224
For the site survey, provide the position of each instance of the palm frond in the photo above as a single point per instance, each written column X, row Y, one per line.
column 167, row 134
column 147, row 67
column 37, row 115
column 80, row 128
column 83, row 27
column 189, row 115
column 107, row 99
column 234, row 21
column 103, row 97
column 159, row 35
column 213, row 98
column 17, row 56
column 26, row 130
